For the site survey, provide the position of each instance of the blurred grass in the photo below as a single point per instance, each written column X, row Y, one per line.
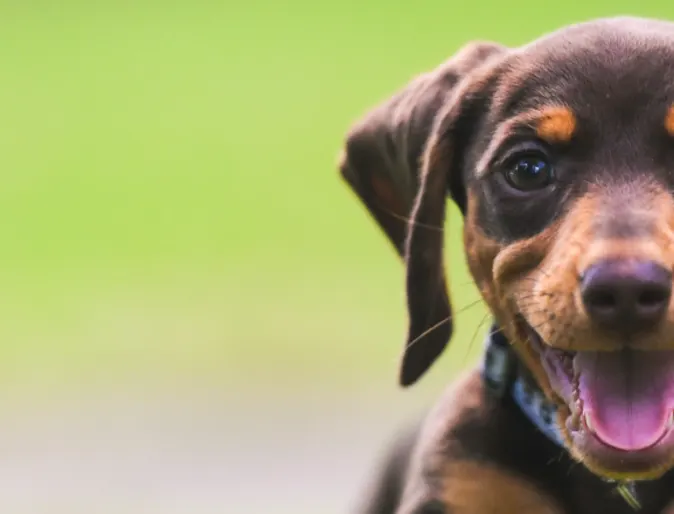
column 171, row 208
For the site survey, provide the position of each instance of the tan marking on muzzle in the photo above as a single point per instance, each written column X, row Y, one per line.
column 480, row 253
column 495, row 266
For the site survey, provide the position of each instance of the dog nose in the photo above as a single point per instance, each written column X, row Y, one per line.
column 626, row 295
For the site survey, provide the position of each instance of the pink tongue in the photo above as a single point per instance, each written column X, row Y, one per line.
column 627, row 396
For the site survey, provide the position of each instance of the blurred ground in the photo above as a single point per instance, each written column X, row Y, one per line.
column 195, row 314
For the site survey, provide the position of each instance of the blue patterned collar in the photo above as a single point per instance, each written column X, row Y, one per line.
column 502, row 377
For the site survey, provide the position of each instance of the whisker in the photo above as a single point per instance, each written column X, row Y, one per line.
column 467, row 307
column 472, row 340
column 408, row 220
column 440, row 323
column 495, row 330
column 444, row 321
column 465, row 284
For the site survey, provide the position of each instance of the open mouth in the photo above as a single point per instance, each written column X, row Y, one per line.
column 620, row 416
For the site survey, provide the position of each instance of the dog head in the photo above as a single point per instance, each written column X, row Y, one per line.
column 560, row 155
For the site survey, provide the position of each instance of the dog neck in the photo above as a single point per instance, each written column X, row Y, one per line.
column 504, row 376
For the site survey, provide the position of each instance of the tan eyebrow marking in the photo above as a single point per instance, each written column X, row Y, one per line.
column 557, row 124
column 669, row 121
column 554, row 124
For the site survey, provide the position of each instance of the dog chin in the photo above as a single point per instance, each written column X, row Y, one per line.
column 617, row 408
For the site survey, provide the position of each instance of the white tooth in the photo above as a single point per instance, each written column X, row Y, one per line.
column 670, row 423
column 588, row 423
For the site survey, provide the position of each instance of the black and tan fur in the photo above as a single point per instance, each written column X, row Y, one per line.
column 599, row 96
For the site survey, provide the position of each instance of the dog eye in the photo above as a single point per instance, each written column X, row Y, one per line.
column 529, row 172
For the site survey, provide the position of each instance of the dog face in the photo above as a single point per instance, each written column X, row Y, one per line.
column 560, row 155
column 570, row 233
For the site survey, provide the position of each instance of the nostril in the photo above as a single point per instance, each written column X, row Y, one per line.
column 603, row 300
column 654, row 297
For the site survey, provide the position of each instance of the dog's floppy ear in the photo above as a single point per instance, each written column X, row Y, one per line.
column 400, row 159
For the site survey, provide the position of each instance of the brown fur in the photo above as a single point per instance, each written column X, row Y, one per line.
column 479, row 488
column 593, row 96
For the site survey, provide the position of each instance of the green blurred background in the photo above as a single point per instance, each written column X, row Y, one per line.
column 197, row 315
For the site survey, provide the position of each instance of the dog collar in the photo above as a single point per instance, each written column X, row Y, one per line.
column 503, row 376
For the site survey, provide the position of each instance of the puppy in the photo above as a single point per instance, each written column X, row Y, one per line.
column 560, row 155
